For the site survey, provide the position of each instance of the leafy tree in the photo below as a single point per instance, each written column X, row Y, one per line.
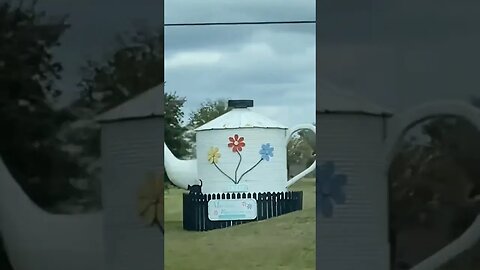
column 435, row 183
column 458, row 138
column 207, row 111
column 300, row 151
column 174, row 128
column 451, row 174
column 134, row 66
column 310, row 138
column 28, row 142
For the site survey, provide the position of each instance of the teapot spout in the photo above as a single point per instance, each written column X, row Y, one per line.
column 78, row 239
column 181, row 172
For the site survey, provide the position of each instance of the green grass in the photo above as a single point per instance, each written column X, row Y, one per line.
column 285, row 242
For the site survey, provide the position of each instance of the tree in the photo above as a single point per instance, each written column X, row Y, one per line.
column 310, row 138
column 134, row 66
column 28, row 142
column 458, row 138
column 207, row 111
column 174, row 128
column 440, row 173
column 299, row 151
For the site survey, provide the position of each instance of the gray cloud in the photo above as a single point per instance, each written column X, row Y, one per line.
column 274, row 65
column 231, row 10
column 403, row 53
column 387, row 51
column 94, row 25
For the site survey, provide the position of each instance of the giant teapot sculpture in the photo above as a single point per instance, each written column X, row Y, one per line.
column 240, row 151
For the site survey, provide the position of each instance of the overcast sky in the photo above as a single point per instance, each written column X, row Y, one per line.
column 401, row 53
column 273, row 65
column 395, row 53
column 94, row 25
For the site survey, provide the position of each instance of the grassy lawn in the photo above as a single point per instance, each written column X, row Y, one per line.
column 285, row 242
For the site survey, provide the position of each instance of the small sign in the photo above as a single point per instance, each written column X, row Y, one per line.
column 232, row 209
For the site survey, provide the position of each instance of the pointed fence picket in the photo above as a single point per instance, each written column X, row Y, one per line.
column 195, row 208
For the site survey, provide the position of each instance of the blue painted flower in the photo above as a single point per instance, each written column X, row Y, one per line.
column 266, row 152
column 330, row 188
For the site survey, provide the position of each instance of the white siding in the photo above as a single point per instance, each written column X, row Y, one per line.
column 147, row 104
column 130, row 150
column 356, row 237
column 268, row 176
column 331, row 98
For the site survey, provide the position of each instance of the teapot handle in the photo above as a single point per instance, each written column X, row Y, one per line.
column 312, row 167
column 401, row 124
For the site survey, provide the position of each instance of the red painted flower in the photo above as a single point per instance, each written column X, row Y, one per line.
column 236, row 143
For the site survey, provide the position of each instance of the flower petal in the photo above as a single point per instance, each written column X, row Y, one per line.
column 326, row 206
column 241, row 144
column 148, row 191
column 326, row 185
column 338, row 196
column 143, row 204
column 149, row 215
column 235, row 137
column 321, row 174
column 160, row 215
column 230, row 145
column 241, row 139
column 329, row 168
column 231, row 139
column 340, row 180
column 337, row 192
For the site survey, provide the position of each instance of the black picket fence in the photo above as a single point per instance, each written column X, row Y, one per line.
column 195, row 208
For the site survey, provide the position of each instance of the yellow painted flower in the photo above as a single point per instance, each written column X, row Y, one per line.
column 214, row 155
column 150, row 201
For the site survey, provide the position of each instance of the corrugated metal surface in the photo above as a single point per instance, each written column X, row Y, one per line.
column 241, row 118
column 268, row 176
column 130, row 150
column 331, row 98
column 356, row 237
column 150, row 103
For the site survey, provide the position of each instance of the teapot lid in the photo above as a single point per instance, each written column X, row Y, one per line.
column 241, row 116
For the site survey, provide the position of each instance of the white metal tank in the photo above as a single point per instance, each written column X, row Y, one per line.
column 352, row 217
column 132, row 193
column 243, row 151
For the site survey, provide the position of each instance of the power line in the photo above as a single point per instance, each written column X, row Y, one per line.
column 237, row 23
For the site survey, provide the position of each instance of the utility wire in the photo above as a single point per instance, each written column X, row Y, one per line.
column 237, row 23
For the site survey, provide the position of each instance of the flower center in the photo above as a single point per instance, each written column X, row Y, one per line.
column 235, row 143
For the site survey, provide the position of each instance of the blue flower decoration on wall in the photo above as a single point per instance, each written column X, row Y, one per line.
column 266, row 151
column 330, row 188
